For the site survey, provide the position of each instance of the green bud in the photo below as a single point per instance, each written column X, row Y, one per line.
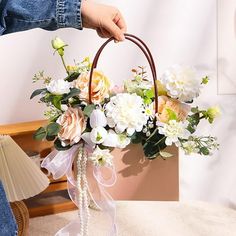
column 57, row 43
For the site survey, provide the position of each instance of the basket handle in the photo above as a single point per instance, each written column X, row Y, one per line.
column 147, row 54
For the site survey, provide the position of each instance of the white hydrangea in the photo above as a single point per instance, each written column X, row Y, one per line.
column 101, row 157
column 190, row 147
column 181, row 82
column 173, row 131
column 59, row 87
column 126, row 112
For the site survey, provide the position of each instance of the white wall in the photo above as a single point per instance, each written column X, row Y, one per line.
column 182, row 31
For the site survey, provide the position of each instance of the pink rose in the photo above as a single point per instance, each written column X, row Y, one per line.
column 72, row 125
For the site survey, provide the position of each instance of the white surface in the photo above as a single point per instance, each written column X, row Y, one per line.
column 177, row 32
column 150, row 219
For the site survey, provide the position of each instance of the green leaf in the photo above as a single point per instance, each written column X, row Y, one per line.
column 194, row 110
column 147, row 101
column 154, row 144
column 204, row 151
column 53, row 129
column 56, row 101
column 205, row 80
column 59, row 147
column 72, row 76
column 136, row 138
column 40, row 134
column 165, row 154
column 37, row 92
column 172, row 115
column 50, row 138
column 88, row 109
column 73, row 92
column 149, row 93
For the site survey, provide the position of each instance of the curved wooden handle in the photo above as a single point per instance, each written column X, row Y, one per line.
column 147, row 54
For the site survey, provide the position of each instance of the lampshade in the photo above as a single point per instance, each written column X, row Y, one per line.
column 20, row 176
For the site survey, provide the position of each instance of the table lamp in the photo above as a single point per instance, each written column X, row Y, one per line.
column 21, row 179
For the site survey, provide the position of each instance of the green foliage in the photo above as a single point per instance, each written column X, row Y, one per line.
column 38, row 92
column 59, row 147
column 40, row 134
column 205, row 80
column 53, row 129
column 56, row 101
column 73, row 92
column 154, row 144
column 136, row 138
column 88, row 110
column 72, row 76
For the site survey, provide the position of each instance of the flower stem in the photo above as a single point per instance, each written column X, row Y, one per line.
column 64, row 64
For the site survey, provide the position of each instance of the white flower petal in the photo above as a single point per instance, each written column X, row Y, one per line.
column 98, row 135
column 97, row 118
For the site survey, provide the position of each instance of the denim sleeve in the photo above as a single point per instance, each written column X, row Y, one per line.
column 19, row 15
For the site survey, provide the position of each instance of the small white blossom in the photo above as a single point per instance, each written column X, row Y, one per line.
column 98, row 135
column 59, row 87
column 126, row 112
column 182, row 83
column 101, row 157
column 173, row 131
column 123, row 141
column 190, row 147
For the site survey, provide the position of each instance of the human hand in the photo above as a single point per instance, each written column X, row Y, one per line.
column 106, row 20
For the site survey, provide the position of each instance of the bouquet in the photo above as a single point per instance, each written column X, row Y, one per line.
column 84, row 107
column 117, row 116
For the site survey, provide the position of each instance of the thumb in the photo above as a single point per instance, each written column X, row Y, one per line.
column 114, row 30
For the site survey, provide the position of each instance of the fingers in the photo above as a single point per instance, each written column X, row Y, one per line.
column 114, row 30
column 120, row 22
column 103, row 33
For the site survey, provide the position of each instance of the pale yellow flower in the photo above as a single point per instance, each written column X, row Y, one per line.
column 100, row 86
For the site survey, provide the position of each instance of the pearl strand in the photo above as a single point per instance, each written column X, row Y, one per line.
column 82, row 185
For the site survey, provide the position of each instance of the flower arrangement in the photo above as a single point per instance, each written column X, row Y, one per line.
column 88, row 117
column 119, row 116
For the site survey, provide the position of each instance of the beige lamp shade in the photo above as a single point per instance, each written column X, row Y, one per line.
column 20, row 176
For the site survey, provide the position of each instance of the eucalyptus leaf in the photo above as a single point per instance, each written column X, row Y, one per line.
column 53, row 129
column 59, row 147
column 204, row 151
column 56, row 101
column 40, row 134
column 73, row 92
column 37, row 92
column 72, row 76
column 88, row 109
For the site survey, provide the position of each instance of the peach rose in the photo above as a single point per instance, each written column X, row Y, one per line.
column 100, row 86
column 180, row 109
column 72, row 125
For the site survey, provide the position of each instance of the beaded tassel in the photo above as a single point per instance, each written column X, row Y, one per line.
column 82, row 185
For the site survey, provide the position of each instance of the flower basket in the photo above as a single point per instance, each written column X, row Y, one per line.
column 114, row 136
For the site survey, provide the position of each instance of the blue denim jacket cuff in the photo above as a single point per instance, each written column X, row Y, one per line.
column 68, row 14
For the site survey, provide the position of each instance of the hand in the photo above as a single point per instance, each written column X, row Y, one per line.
column 106, row 20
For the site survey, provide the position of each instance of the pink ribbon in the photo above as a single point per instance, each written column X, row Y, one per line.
column 59, row 163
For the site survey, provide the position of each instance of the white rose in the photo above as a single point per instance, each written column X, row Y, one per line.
column 59, row 87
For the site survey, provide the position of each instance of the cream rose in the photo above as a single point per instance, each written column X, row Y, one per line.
column 100, row 86
column 72, row 125
column 165, row 103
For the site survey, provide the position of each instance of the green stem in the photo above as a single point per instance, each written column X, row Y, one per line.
column 64, row 64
